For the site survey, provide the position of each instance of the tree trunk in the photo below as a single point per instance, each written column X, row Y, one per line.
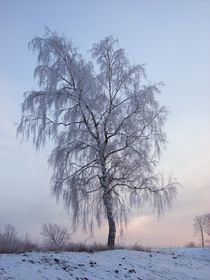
column 202, row 238
column 107, row 198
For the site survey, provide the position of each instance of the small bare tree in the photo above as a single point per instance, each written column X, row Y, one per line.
column 107, row 126
column 199, row 226
column 55, row 236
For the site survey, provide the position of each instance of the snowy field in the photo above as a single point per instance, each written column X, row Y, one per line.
column 164, row 264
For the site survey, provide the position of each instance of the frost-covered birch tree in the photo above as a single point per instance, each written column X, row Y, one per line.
column 107, row 128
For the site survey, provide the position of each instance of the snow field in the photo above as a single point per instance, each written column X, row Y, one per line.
column 163, row 264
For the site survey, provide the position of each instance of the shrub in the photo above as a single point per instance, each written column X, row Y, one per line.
column 55, row 237
column 190, row 244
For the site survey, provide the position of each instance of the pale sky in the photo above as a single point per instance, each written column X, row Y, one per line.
column 173, row 39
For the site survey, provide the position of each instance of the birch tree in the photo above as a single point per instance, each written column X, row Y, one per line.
column 107, row 128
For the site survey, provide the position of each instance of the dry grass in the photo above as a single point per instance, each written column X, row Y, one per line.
column 139, row 247
column 18, row 246
column 22, row 246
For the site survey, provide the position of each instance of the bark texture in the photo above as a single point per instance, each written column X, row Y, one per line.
column 111, row 222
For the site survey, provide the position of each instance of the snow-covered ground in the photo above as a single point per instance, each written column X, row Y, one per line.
column 164, row 264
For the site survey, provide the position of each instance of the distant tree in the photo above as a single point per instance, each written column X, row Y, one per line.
column 207, row 223
column 8, row 238
column 107, row 127
column 9, row 234
column 11, row 241
column 199, row 226
column 55, row 236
